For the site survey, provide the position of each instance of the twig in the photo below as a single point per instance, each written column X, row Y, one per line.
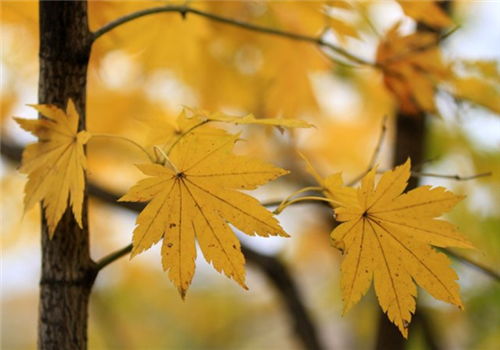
column 379, row 143
column 375, row 154
column 108, row 259
column 477, row 265
column 452, row 177
column 184, row 10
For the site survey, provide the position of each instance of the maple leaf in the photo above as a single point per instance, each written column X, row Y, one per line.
column 386, row 236
column 427, row 12
column 55, row 164
column 197, row 199
column 412, row 66
column 164, row 132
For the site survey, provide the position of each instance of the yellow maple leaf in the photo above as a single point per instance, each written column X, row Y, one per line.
column 165, row 133
column 386, row 236
column 56, row 163
column 427, row 12
column 196, row 198
column 478, row 91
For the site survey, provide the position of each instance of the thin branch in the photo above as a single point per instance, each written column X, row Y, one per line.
column 380, row 141
column 452, row 177
column 375, row 154
column 477, row 265
column 184, row 10
column 108, row 259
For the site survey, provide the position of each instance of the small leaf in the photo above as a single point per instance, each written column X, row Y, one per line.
column 55, row 164
column 250, row 119
column 427, row 12
column 478, row 91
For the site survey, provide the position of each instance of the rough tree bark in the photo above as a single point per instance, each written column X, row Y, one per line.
column 67, row 270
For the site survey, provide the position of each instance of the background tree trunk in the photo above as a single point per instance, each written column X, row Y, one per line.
column 410, row 142
column 67, row 269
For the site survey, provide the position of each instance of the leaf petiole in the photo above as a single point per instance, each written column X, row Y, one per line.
column 117, row 137
column 302, row 190
column 167, row 160
column 286, row 204
column 185, row 133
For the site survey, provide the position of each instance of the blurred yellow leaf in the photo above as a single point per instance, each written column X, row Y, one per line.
column 55, row 164
column 197, row 196
column 249, row 119
column 386, row 237
column 343, row 29
column 478, row 91
column 427, row 12
column 412, row 67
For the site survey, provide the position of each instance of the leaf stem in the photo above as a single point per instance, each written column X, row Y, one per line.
column 375, row 154
column 284, row 205
column 117, row 137
column 185, row 133
column 452, row 177
column 167, row 159
column 302, row 190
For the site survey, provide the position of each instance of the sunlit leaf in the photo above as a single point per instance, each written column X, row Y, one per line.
column 196, row 197
column 386, row 237
column 55, row 164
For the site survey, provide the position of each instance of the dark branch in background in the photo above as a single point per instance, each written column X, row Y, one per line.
column 275, row 270
column 477, row 265
column 13, row 153
column 184, row 10
column 452, row 177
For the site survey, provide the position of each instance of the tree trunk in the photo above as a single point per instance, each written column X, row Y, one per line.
column 410, row 142
column 67, row 270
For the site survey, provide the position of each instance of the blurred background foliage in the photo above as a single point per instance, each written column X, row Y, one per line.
column 148, row 69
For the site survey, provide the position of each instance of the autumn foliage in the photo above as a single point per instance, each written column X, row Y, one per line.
column 196, row 171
